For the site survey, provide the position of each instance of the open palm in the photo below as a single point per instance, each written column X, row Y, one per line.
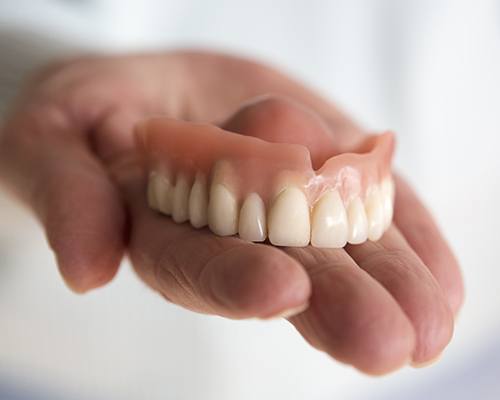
column 68, row 150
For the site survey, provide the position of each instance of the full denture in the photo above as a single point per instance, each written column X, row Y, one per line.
column 244, row 185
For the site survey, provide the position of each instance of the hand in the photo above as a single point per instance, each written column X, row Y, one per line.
column 67, row 150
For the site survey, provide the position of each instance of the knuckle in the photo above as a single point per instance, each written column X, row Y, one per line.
column 277, row 108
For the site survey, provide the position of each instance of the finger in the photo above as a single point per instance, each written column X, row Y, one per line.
column 214, row 71
column 47, row 163
column 351, row 316
column 393, row 263
column 207, row 273
column 280, row 119
column 419, row 229
column 194, row 268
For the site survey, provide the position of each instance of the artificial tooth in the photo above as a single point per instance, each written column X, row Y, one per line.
column 164, row 195
column 152, row 191
column 358, row 224
column 387, row 192
column 375, row 213
column 252, row 221
column 329, row 222
column 222, row 211
column 180, row 199
column 198, row 202
column 159, row 192
column 289, row 223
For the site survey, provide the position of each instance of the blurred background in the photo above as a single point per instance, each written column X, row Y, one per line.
column 430, row 70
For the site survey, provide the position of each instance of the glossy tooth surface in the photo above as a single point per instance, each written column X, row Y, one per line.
column 387, row 193
column 329, row 222
column 180, row 199
column 375, row 213
column 222, row 211
column 288, row 220
column 160, row 193
column 358, row 223
column 252, row 221
column 198, row 202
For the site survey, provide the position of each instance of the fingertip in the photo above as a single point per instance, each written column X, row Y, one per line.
column 84, row 269
column 85, row 223
column 456, row 300
column 387, row 349
column 355, row 320
column 451, row 283
column 256, row 281
column 434, row 336
column 425, row 364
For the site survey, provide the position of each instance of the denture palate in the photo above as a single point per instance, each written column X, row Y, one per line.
column 246, row 186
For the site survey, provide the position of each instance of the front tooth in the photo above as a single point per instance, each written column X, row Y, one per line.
column 160, row 193
column 289, row 223
column 252, row 222
column 375, row 213
column 358, row 224
column 222, row 211
column 198, row 202
column 329, row 222
column 387, row 189
column 180, row 199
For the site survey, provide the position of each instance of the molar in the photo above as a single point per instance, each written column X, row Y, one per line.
column 180, row 199
column 289, row 223
column 329, row 222
column 375, row 213
column 198, row 202
column 358, row 223
column 252, row 222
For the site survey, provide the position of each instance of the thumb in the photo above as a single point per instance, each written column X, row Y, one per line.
column 46, row 160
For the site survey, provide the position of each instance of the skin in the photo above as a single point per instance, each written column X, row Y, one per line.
column 67, row 150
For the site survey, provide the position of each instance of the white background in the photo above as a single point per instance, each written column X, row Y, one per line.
column 428, row 69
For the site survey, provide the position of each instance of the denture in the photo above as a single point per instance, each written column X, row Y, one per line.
column 261, row 190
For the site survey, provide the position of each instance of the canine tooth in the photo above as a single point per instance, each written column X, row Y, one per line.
column 375, row 213
column 289, row 223
column 252, row 222
column 198, row 202
column 358, row 224
column 222, row 211
column 329, row 222
column 180, row 199
column 387, row 189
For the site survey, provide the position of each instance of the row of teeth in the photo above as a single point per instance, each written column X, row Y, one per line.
column 289, row 221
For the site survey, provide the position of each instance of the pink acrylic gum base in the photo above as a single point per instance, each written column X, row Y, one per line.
column 248, row 164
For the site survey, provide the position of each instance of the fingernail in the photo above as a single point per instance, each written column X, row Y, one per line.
column 426, row 363
column 290, row 312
